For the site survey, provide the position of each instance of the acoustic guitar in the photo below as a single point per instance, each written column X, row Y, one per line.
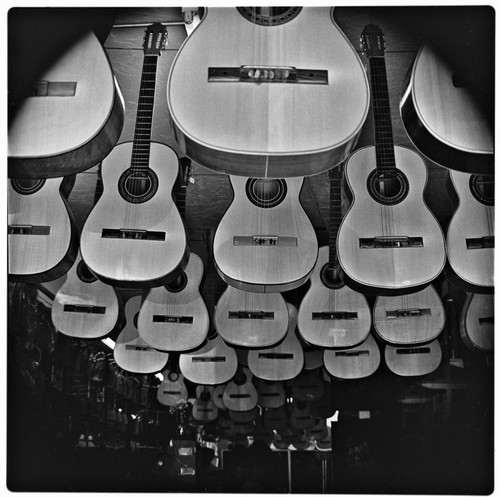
column 470, row 239
column 204, row 409
column 240, row 393
column 131, row 352
column 307, row 386
column 265, row 241
column 218, row 396
column 271, row 394
column 415, row 360
column 276, row 418
column 443, row 116
column 301, row 417
column 172, row 390
column 477, row 322
column 134, row 236
column 70, row 115
column 389, row 242
column 42, row 242
column 282, row 94
column 331, row 314
column 409, row 319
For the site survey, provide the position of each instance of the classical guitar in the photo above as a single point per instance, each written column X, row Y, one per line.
column 410, row 319
column 470, row 239
column 308, row 386
column 280, row 362
column 284, row 94
column 218, row 396
column 276, row 418
column 301, row 417
column 444, row 117
column 134, row 236
column 331, row 314
column 265, row 241
column 270, row 394
column 414, row 360
column 240, row 393
column 204, row 409
column 42, row 241
column 477, row 322
column 131, row 352
column 172, row 390
column 70, row 116
column 389, row 242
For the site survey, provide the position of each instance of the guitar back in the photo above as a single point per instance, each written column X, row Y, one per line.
column 476, row 322
column 416, row 360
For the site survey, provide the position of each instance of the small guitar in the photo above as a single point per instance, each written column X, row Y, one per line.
column 204, row 409
column 470, row 239
column 280, row 362
column 70, row 116
column 134, row 236
column 131, row 352
column 218, row 396
column 271, row 394
column 276, row 418
column 331, row 314
column 443, row 117
column 415, row 360
column 42, row 242
column 477, row 322
column 265, row 242
column 172, row 390
column 240, row 393
column 301, row 417
column 275, row 73
column 389, row 242
column 307, row 386
column 409, row 319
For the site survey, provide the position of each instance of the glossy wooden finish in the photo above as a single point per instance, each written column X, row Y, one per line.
column 417, row 360
column 477, row 327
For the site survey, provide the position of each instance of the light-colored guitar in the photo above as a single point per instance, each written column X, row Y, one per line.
column 281, row 93
column 470, row 239
column 389, row 241
column 265, row 241
column 172, row 391
column 134, row 236
column 41, row 235
column 416, row 360
column 409, row 319
column 271, row 394
column 477, row 327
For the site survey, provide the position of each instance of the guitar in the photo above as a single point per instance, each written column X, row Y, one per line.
column 276, row 418
column 134, row 236
column 477, row 322
column 172, row 390
column 415, row 360
column 444, row 118
column 280, row 362
column 240, row 393
column 470, row 239
column 70, row 116
column 275, row 72
column 356, row 362
column 131, row 352
column 42, row 242
column 275, row 248
column 409, row 319
column 331, row 314
column 271, row 394
column 218, row 396
column 389, row 242
column 301, row 417
column 307, row 386
column 204, row 409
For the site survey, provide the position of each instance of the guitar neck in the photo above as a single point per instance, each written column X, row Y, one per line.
column 335, row 212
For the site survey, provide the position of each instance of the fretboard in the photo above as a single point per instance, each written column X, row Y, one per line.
column 335, row 212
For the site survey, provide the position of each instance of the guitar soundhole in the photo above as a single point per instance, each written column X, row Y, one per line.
column 27, row 186
column 483, row 188
column 240, row 378
column 178, row 284
column 266, row 193
column 173, row 376
column 388, row 188
column 269, row 16
column 330, row 276
column 84, row 273
column 136, row 186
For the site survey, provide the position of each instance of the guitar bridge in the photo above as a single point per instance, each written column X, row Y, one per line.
column 480, row 243
column 407, row 313
column 85, row 309
column 133, row 234
column 265, row 241
column 334, row 316
column 391, row 242
column 27, row 229
column 267, row 74
column 356, row 353
column 251, row 315
column 160, row 318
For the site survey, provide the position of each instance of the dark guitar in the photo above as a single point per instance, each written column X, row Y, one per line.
column 204, row 409
column 271, row 394
column 240, row 393
column 389, row 242
column 477, row 327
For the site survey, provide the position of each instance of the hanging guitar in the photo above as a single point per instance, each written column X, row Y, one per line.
column 265, row 241
column 270, row 394
column 331, row 314
column 240, row 393
column 134, row 236
column 172, row 391
column 415, row 360
column 477, row 327
column 389, row 242
column 204, row 410
column 284, row 94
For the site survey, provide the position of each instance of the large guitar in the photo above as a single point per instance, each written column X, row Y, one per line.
column 281, row 93
column 415, row 360
column 389, row 242
column 42, row 241
column 331, row 314
column 470, row 239
column 134, row 236
column 70, row 116
column 477, row 327
column 265, row 242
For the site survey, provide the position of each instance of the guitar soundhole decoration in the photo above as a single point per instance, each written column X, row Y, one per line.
column 27, row 186
column 84, row 273
column 173, row 376
column 330, row 276
column 483, row 188
column 388, row 188
column 269, row 16
column 137, row 187
column 136, row 317
column 178, row 284
column 266, row 193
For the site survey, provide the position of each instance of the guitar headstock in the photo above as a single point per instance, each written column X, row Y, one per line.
column 155, row 39
column 372, row 41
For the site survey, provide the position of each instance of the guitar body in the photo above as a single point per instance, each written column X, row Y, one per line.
column 85, row 307
column 301, row 417
column 409, row 319
column 265, row 242
column 271, row 394
column 176, row 318
column 477, row 322
column 250, row 319
column 42, row 241
column 73, row 118
column 131, row 353
column 389, row 249
column 240, row 393
column 417, row 360
column 307, row 386
column 444, row 119
column 136, row 244
column 470, row 236
column 353, row 363
column 275, row 418
column 332, row 317
column 255, row 127
column 172, row 390
column 204, row 409
column 218, row 396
